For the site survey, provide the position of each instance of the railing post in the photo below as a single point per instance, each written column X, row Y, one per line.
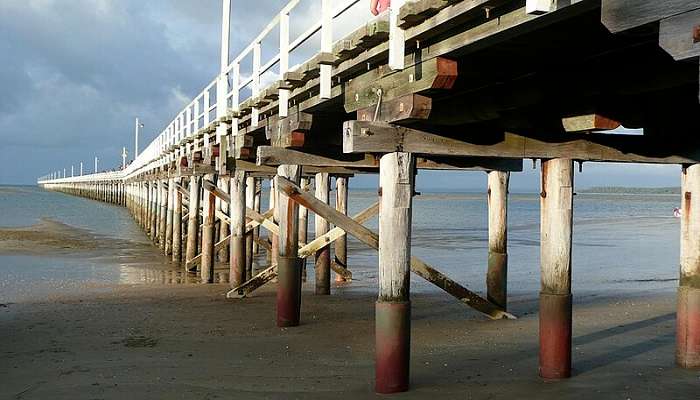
column 326, row 47
column 397, row 37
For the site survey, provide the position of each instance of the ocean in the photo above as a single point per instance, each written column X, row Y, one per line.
column 621, row 243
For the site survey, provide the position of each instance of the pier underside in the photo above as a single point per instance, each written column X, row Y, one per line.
column 483, row 86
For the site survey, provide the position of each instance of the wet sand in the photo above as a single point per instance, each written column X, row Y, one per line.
column 116, row 341
column 188, row 341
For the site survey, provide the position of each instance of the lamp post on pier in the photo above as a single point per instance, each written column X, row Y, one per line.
column 138, row 125
column 96, row 159
column 124, row 154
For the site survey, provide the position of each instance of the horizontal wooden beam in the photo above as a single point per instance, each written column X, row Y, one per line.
column 679, row 36
column 621, row 15
column 381, row 137
column 387, row 84
column 371, row 239
column 276, row 156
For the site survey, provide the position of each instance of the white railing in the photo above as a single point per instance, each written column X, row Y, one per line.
column 198, row 113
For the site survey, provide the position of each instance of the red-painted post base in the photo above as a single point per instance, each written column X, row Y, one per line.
column 688, row 328
column 288, row 291
column 555, row 336
column 393, row 346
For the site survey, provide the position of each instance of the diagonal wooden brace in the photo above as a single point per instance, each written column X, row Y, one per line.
column 270, row 273
column 371, row 239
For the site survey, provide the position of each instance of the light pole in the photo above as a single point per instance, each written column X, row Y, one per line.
column 72, row 171
column 81, row 168
column 124, row 155
column 95, row 164
column 138, row 125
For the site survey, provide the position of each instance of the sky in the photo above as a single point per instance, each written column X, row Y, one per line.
column 75, row 73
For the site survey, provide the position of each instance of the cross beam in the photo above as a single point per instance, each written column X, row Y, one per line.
column 371, row 239
column 380, row 137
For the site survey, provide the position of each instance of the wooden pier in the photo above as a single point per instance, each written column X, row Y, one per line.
column 468, row 85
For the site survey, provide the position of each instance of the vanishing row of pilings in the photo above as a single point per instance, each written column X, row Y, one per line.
column 184, row 218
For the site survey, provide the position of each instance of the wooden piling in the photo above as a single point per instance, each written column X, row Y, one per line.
column 688, row 313
column 177, row 223
column 209, row 212
column 193, row 219
column 323, row 255
column 163, row 213
column 169, row 217
column 257, row 204
column 288, row 265
column 238, row 242
column 154, row 211
column 303, row 227
column 393, row 307
column 556, row 223
column 223, row 254
column 341, row 244
column 497, row 274
column 249, row 202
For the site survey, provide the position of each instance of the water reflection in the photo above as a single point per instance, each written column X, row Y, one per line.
column 139, row 275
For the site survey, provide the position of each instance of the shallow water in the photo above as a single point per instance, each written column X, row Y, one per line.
column 621, row 243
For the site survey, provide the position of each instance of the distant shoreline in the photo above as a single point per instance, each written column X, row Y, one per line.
column 630, row 190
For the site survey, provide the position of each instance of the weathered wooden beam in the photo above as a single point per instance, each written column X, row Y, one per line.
column 274, row 156
column 411, row 107
column 372, row 240
column 589, row 123
column 679, row 36
column 621, row 15
column 381, row 137
column 367, row 89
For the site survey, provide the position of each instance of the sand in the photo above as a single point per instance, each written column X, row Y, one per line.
column 187, row 341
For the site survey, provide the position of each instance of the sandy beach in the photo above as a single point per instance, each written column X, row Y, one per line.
column 154, row 333
column 190, row 342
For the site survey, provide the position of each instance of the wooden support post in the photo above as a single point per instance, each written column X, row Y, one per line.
column 323, row 255
column 497, row 274
column 688, row 317
column 249, row 202
column 272, row 254
column 341, row 244
column 393, row 307
column 169, row 217
column 257, row 203
column 193, row 220
column 289, row 271
column 209, row 211
column 303, row 227
column 238, row 242
column 177, row 223
column 224, row 228
column 163, row 213
column 556, row 223
column 153, row 218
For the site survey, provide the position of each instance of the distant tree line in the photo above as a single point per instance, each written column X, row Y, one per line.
column 630, row 190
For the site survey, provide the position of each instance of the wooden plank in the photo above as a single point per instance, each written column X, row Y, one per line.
column 372, row 240
column 257, row 281
column 386, row 138
column 588, row 123
column 679, row 36
column 365, row 90
column 621, row 15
